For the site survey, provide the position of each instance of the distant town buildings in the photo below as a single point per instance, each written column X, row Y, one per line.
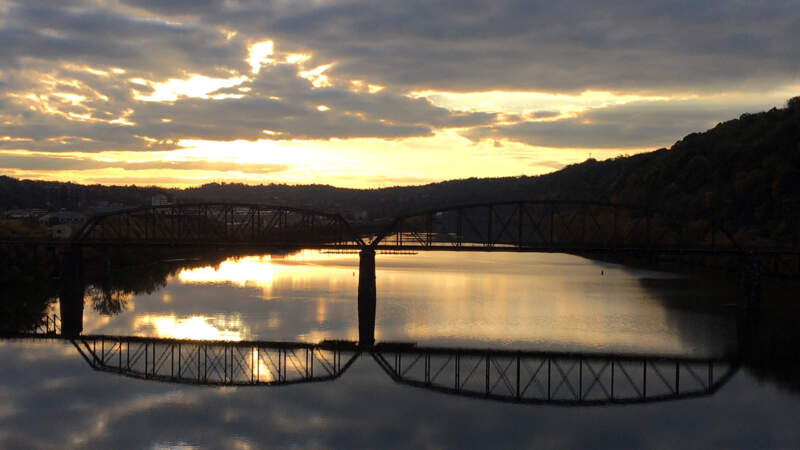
column 32, row 213
column 159, row 200
column 61, row 217
column 62, row 224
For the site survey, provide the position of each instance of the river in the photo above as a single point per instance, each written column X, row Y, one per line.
column 539, row 304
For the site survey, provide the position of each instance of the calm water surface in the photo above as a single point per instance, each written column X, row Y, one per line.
column 501, row 301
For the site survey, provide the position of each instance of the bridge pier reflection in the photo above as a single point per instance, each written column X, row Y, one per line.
column 72, row 291
column 367, row 298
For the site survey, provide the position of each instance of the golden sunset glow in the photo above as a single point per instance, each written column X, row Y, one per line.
column 458, row 302
column 262, row 272
column 565, row 105
column 194, row 327
column 259, row 54
column 196, row 86
column 252, row 271
column 547, row 311
column 348, row 163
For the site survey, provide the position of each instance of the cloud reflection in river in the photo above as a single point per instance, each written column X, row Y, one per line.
column 556, row 302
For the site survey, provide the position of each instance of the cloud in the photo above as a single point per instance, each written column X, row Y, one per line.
column 522, row 45
column 105, row 37
column 542, row 114
column 69, row 106
column 638, row 124
column 51, row 162
column 74, row 75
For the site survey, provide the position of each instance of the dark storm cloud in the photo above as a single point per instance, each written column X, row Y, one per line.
column 637, row 124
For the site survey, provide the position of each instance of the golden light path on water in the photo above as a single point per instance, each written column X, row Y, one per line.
column 255, row 272
column 193, row 327
column 550, row 301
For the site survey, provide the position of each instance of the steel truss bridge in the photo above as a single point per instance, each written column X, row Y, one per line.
column 515, row 226
column 551, row 226
column 534, row 226
column 210, row 224
column 526, row 377
column 519, row 225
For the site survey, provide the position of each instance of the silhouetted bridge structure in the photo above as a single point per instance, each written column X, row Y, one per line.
column 515, row 226
column 527, row 377
column 505, row 226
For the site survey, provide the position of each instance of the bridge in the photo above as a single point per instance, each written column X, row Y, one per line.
column 216, row 224
column 580, row 227
column 518, row 226
column 528, row 226
column 513, row 376
column 545, row 225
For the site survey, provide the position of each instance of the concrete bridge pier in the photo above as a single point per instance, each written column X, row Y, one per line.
column 71, row 295
column 367, row 298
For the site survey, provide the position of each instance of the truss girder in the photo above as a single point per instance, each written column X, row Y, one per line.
column 552, row 225
column 551, row 378
column 212, row 223
column 215, row 363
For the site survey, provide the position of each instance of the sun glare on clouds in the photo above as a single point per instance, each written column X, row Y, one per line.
column 260, row 53
column 525, row 102
column 196, row 86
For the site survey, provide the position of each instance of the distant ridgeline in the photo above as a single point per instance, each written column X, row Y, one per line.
column 745, row 172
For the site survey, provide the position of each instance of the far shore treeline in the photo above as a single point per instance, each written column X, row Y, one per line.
column 745, row 170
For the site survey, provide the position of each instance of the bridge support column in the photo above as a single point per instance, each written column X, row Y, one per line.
column 367, row 298
column 71, row 295
column 751, row 281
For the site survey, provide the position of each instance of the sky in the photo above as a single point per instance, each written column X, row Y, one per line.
column 369, row 94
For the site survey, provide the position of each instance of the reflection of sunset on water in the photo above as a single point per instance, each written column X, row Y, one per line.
column 193, row 327
column 268, row 272
column 242, row 272
column 554, row 301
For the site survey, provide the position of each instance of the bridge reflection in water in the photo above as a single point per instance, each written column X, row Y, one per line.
column 216, row 362
column 579, row 379
column 517, row 376
column 530, row 377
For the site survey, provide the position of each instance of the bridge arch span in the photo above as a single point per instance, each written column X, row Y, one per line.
column 553, row 225
column 216, row 223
